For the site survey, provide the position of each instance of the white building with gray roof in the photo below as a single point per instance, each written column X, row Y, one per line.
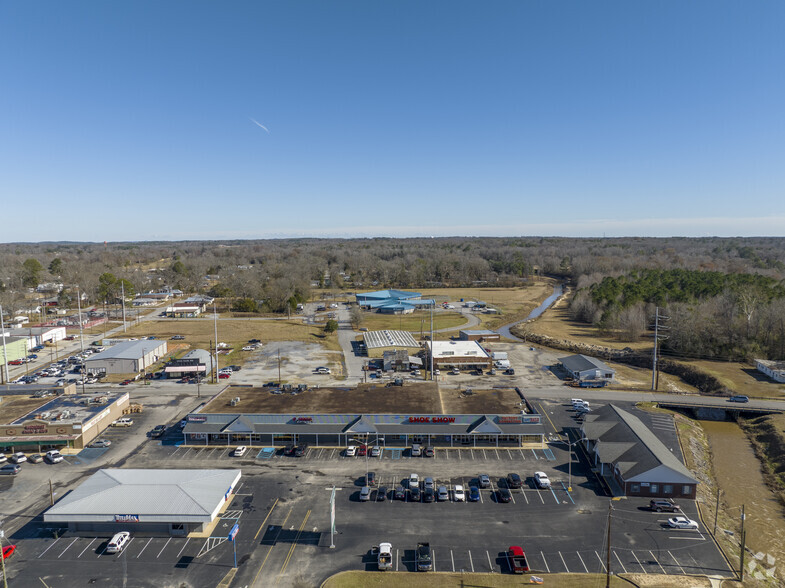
column 128, row 357
column 152, row 502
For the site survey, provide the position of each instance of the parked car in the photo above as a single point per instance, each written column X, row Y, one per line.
column 414, row 481
column 351, row 451
column 429, row 452
column 376, row 451
column 178, row 337
column 399, row 493
column 739, row 398
column 239, row 451
column 474, row 494
column 53, row 456
column 10, row 469
column 36, row 458
column 503, row 495
column 428, row 483
column 118, row 542
column 416, row 450
column 414, row 493
column 429, row 495
column 443, row 494
column 158, row 431
column 18, row 457
column 100, row 443
column 362, row 450
column 675, row 522
column 510, row 371
column 484, row 481
column 458, row 495
column 381, row 494
column 322, row 370
column 8, row 551
column 663, row 506
column 514, row 481
column 365, row 494
column 541, row 479
column 224, row 376
column 123, row 422
column 300, row 450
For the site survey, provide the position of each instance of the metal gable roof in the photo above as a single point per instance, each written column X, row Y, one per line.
column 147, row 492
column 581, row 363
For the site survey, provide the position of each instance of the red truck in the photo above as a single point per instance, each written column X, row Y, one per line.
column 517, row 559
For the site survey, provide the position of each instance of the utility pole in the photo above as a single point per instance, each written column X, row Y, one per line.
column 433, row 302
column 122, row 298
column 655, row 376
column 81, row 333
column 608, row 553
column 51, row 493
column 215, row 324
column 5, row 353
column 279, row 366
column 743, row 546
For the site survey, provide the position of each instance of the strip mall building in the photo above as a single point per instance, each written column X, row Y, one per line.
column 268, row 417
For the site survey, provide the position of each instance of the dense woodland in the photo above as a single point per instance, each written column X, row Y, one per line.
column 724, row 296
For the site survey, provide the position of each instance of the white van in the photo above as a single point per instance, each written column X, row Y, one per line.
column 118, row 542
column 239, row 451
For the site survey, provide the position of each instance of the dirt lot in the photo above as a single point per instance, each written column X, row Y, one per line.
column 366, row 398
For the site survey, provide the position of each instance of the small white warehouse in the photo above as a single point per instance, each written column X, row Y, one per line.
column 129, row 357
column 151, row 502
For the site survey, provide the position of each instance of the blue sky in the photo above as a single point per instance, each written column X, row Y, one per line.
column 134, row 120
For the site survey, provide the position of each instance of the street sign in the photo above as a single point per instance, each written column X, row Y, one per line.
column 233, row 532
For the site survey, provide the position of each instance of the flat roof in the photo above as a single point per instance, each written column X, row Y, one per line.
column 13, row 407
column 66, row 408
column 414, row 398
column 150, row 495
column 128, row 350
column 450, row 349
column 377, row 339
column 483, row 332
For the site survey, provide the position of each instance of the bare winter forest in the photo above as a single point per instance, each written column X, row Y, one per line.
column 725, row 296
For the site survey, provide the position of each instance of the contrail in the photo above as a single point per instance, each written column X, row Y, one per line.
column 256, row 122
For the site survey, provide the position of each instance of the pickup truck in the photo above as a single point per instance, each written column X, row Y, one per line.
column 423, row 557
column 517, row 559
column 384, row 558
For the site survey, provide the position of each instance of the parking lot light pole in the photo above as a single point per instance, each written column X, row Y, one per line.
column 569, row 460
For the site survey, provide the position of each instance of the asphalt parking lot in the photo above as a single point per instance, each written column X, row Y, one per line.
column 282, row 509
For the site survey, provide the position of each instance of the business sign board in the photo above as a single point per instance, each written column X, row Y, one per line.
column 126, row 518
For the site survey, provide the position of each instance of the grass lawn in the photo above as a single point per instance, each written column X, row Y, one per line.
column 418, row 320
column 454, row 580
column 741, row 377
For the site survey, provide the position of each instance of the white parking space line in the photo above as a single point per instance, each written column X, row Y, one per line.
column 658, row 562
column 484, row 454
column 564, row 562
column 50, row 547
column 497, row 453
column 164, row 547
column 471, row 561
column 677, row 562
column 526, row 498
column 433, row 557
column 509, row 454
column 534, row 453
column 452, row 559
column 555, row 498
column 522, row 454
column 545, row 561
column 332, row 453
column 86, row 548
column 459, row 454
column 397, row 559
column 143, row 548
column 619, row 560
column 639, row 562
column 67, row 548
column 512, row 496
column 582, row 562
column 602, row 563
column 490, row 565
column 540, row 495
column 184, row 546
column 100, row 553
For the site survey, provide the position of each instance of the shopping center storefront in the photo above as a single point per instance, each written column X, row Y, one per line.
column 388, row 430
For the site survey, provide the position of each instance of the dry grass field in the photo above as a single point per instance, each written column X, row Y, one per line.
column 419, row 320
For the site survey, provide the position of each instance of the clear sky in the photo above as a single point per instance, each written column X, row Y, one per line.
column 142, row 120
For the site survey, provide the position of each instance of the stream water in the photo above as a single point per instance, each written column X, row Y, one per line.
column 741, row 481
column 504, row 331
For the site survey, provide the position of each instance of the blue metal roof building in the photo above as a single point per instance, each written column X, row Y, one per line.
column 392, row 301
